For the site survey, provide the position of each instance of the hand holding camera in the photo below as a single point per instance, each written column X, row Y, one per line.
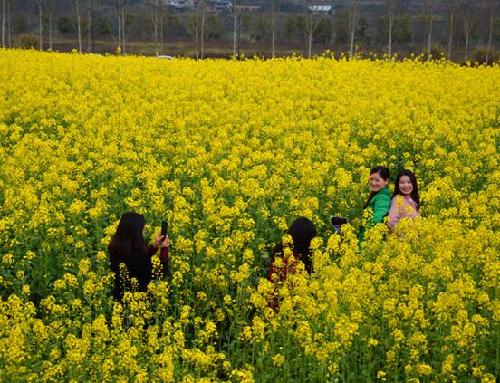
column 337, row 223
column 162, row 239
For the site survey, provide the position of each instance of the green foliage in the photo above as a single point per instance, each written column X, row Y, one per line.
column 65, row 26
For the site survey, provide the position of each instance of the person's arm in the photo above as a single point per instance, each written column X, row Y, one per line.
column 160, row 241
column 393, row 214
column 152, row 249
column 164, row 259
column 381, row 207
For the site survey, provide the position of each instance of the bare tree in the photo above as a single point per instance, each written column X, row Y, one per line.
column 155, row 20
column 40, row 5
column 121, row 10
column 275, row 6
column 391, row 11
column 202, row 8
column 429, row 15
column 9, row 42
column 312, row 23
column 235, row 31
column 89, row 26
column 163, row 16
column 123, row 19
column 196, row 26
column 309, row 27
column 237, row 28
column 354, row 13
column 78, row 25
column 468, row 25
column 50, row 10
column 273, row 25
column 118, row 12
column 4, row 21
column 452, row 7
column 491, row 10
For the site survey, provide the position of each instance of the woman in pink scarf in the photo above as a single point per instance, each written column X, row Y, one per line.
column 405, row 201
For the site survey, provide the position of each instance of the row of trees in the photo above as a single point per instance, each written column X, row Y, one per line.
column 347, row 24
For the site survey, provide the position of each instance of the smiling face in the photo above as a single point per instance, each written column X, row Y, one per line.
column 405, row 185
column 377, row 182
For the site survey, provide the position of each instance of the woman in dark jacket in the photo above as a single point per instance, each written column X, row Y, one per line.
column 127, row 248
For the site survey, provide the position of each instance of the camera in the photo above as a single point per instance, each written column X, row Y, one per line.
column 337, row 223
column 164, row 229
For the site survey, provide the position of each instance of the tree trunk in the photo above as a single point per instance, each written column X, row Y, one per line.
column 78, row 25
column 490, row 34
column 353, row 23
column 123, row 29
column 89, row 27
column 51, row 15
column 9, row 41
column 235, row 28
column 467, row 29
column 273, row 25
column 161, row 18
column 40, row 21
column 197, row 35
column 429, row 40
column 4, row 20
column 391, row 23
column 121, row 13
column 429, row 34
column 238, row 35
column 156, row 24
column 202, row 32
column 466, row 47
column 391, row 10
column 119, row 31
column 310, row 34
column 450, row 33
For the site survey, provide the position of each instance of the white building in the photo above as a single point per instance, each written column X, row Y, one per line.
column 221, row 5
column 320, row 8
column 181, row 4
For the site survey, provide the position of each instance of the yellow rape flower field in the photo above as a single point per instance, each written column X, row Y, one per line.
column 231, row 152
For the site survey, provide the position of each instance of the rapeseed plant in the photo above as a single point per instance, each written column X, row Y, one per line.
column 231, row 152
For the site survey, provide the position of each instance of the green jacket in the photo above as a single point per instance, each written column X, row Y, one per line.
column 380, row 204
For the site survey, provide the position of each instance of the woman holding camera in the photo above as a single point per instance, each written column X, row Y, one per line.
column 131, row 257
column 379, row 201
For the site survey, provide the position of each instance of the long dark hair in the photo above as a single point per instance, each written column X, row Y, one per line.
column 414, row 194
column 128, row 238
column 384, row 173
column 302, row 231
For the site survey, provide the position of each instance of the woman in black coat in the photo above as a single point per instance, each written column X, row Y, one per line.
column 128, row 248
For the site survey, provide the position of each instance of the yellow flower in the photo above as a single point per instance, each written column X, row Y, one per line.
column 8, row 259
column 278, row 360
column 424, row 369
column 26, row 289
column 230, row 152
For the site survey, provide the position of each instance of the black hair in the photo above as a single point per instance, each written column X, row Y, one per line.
column 128, row 238
column 384, row 173
column 414, row 194
column 302, row 231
